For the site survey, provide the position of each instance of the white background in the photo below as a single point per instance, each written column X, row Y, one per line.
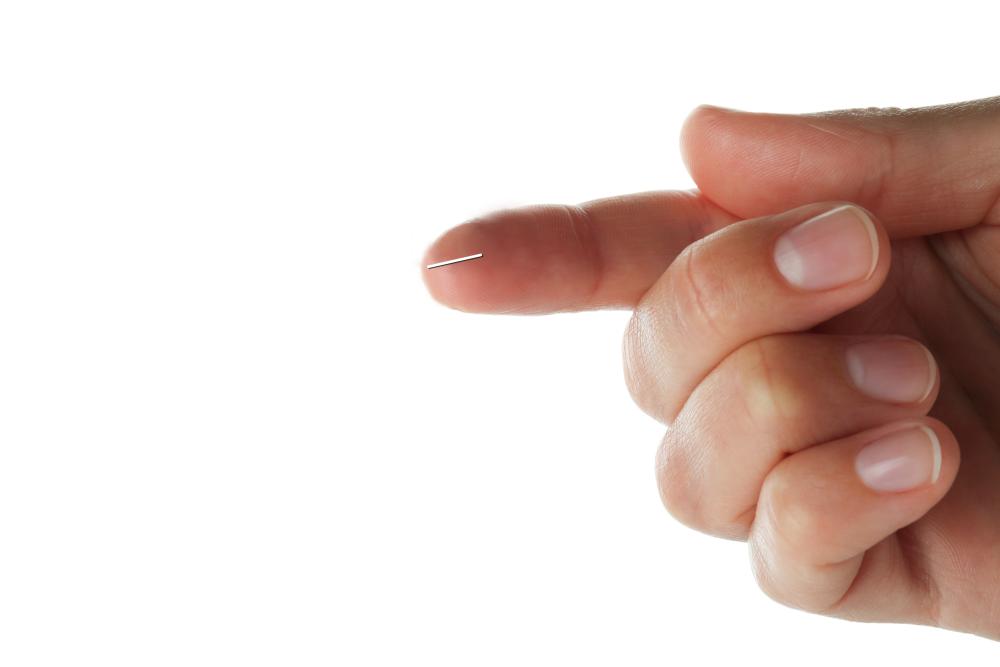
column 233, row 427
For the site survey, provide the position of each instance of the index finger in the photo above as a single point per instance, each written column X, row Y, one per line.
column 542, row 259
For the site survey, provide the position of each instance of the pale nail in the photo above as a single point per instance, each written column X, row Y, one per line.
column 892, row 370
column 900, row 461
column 834, row 248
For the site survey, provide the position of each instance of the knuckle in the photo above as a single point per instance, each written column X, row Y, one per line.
column 684, row 480
column 782, row 584
column 696, row 460
column 768, row 392
column 632, row 355
column 778, row 577
column 793, row 584
column 790, row 540
column 794, row 525
column 764, row 572
column 637, row 351
column 702, row 295
column 582, row 226
column 676, row 475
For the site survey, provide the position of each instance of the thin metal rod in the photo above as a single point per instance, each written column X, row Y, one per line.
column 454, row 261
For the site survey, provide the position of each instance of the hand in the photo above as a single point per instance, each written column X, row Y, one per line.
column 795, row 356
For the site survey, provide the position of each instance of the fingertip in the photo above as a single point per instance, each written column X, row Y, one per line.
column 933, row 375
column 935, row 453
column 535, row 259
column 946, row 454
column 878, row 238
column 821, row 247
column 696, row 137
column 909, row 465
column 463, row 286
column 758, row 163
column 726, row 151
column 871, row 228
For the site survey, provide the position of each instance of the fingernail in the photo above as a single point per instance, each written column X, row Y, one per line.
column 892, row 370
column 834, row 248
column 900, row 461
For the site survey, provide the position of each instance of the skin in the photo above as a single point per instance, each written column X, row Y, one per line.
column 747, row 371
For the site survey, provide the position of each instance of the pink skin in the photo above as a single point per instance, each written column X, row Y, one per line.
column 823, row 369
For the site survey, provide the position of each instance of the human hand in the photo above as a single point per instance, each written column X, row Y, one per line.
column 786, row 364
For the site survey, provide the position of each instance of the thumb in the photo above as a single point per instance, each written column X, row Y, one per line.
column 920, row 170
